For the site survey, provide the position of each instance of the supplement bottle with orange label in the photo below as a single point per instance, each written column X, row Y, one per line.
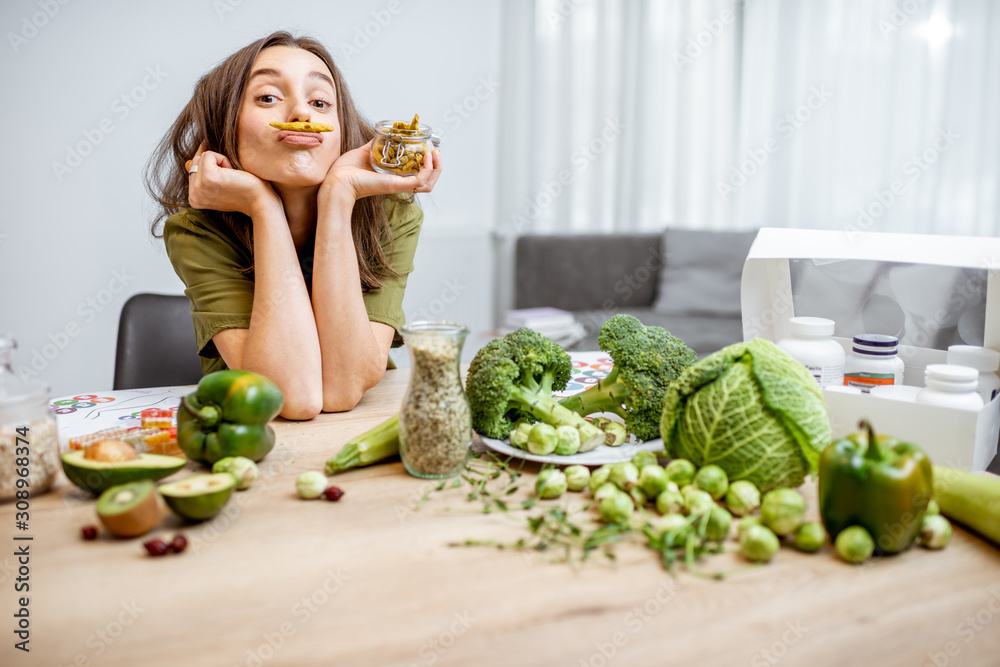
column 874, row 361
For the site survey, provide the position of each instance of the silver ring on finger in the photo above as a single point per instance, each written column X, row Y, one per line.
column 193, row 169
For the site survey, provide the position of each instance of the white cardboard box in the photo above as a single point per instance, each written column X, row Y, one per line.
column 963, row 439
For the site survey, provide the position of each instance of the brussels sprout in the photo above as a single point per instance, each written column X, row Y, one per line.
column 617, row 508
column 551, row 483
column 638, row 497
column 598, row 478
column 605, row 490
column 681, row 472
column 855, row 545
column 758, row 543
column 615, row 434
column 698, row 501
column 745, row 523
column 935, row 532
column 670, row 502
column 653, row 480
column 519, row 436
column 311, row 484
column 577, row 477
column 567, row 440
column 713, row 479
column 675, row 523
column 932, row 508
column 809, row 537
column 718, row 525
column 243, row 469
column 782, row 510
column 624, row 475
column 542, row 439
column 643, row 459
column 742, row 498
column 601, row 422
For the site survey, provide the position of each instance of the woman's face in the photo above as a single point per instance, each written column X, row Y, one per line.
column 288, row 84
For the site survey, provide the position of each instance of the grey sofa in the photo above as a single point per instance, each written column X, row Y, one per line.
column 685, row 281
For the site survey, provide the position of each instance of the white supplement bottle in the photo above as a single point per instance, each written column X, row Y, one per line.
column 951, row 386
column 811, row 345
column 874, row 361
column 984, row 360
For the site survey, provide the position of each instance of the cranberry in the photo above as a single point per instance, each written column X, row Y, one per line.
column 178, row 544
column 333, row 493
column 156, row 547
column 89, row 532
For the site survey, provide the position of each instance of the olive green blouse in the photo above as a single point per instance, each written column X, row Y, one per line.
column 212, row 263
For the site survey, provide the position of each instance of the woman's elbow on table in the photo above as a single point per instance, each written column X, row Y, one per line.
column 342, row 397
column 301, row 405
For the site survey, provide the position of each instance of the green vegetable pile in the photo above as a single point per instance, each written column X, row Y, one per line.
column 750, row 409
column 511, row 380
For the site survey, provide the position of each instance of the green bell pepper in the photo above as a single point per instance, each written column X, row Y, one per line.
column 876, row 482
column 228, row 415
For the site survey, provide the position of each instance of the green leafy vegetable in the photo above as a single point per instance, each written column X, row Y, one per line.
column 750, row 409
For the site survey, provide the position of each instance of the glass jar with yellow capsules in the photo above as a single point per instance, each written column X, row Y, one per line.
column 400, row 148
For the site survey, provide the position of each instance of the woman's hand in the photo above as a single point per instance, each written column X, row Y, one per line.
column 217, row 186
column 353, row 176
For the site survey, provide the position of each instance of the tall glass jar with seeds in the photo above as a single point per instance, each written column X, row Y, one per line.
column 29, row 442
column 435, row 422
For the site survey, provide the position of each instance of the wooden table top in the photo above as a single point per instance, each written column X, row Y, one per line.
column 371, row 580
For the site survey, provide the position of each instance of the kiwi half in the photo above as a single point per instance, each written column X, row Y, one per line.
column 129, row 510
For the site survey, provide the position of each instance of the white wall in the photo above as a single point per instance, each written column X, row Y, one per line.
column 104, row 79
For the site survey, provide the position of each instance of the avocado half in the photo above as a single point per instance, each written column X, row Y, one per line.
column 129, row 510
column 97, row 476
column 199, row 497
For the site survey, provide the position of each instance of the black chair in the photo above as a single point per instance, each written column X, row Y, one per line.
column 156, row 345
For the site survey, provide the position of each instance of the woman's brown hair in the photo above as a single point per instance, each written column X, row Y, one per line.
column 212, row 116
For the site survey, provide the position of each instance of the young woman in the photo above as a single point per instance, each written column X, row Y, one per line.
column 294, row 252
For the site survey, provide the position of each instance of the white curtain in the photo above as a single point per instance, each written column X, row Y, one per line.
column 879, row 115
column 618, row 114
column 886, row 116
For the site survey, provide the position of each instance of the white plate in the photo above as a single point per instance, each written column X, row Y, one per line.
column 595, row 457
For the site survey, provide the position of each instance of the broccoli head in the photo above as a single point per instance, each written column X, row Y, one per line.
column 511, row 379
column 647, row 359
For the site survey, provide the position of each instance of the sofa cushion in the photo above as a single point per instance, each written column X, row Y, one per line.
column 578, row 271
column 702, row 271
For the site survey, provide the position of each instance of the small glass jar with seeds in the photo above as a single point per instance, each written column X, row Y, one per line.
column 400, row 148
column 435, row 421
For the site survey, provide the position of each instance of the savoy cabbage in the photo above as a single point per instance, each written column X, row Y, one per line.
column 750, row 409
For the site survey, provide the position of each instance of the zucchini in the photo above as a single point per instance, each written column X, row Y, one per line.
column 370, row 447
column 970, row 499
